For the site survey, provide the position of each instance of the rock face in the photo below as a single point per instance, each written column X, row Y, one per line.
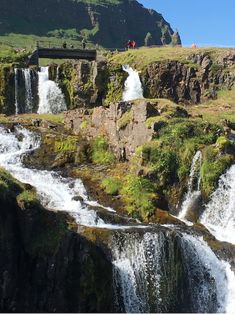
column 83, row 83
column 7, row 92
column 109, row 23
column 89, row 84
column 44, row 266
column 189, row 84
column 124, row 124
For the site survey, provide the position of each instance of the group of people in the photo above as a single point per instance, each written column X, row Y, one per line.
column 71, row 46
column 131, row 44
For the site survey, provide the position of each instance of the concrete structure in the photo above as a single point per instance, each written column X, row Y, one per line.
column 61, row 53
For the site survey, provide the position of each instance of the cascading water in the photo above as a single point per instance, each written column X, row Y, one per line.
column 153, row 271
column 136, row 267
column 133, row 87
column 57, row 73
column 146, row 268
column 55, row 192
column 219, row 214
column 211, row 281
column 51, row 99
column 194, row 182
column 28, row 90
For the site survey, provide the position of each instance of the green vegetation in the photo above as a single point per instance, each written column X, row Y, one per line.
column 167, row 159
column 69, row 143
column 215, row 110
column 100, row 153
column 9, row 187
column 139, row 195
column 111, row 185
column 140, row 58
column 125, row 119
column 27, row 198
column 9, row 55
column 214, row 164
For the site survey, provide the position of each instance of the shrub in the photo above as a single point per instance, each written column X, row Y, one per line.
column 66, row 144
column 111, row 185
column 213, row 166
column 138, row 195
column 100, row 153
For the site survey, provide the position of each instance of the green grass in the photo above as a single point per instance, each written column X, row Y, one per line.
column 28, row 117
column 69, row 143
column 140, row 58
column 214, row 111
column 214, row 164
column 9, row 54
column 138, row 194
column 9, row 186
column 111, row 185
column 29, row 41
column 125, row 119
column 100, row 153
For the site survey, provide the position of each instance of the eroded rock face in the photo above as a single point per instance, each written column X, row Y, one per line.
column 183, row 84
column 83, row 83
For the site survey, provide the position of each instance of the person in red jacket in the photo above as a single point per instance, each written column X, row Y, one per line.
column 133, row 44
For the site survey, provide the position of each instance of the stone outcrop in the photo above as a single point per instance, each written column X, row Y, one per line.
column 189, row 84
column 7, row 91
column 123, row 123
column 83, row 83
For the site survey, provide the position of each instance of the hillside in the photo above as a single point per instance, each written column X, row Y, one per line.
column 109, row 23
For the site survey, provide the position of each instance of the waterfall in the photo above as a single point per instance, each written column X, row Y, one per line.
column 194, row 182
column 133, row 87
column 51, row 99
column 16, row 91
column 211, row 281
column 219, row 214
column 28, row 90
column 137, row 272
column 57, row 73
column 155, row 269
column 147, row 271
column 54, row 191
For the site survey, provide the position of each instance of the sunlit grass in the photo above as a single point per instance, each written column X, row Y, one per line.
column 143, row 56
column 54, row 118
column 215, row 110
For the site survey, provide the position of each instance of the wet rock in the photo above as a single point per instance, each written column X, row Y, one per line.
column 78, row 198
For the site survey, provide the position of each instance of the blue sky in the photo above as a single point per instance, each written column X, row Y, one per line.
column 205, row 22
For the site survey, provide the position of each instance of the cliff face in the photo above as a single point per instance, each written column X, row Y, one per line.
column 107, row 23
column 193, row 79
column 45, row 266
column 189, row 84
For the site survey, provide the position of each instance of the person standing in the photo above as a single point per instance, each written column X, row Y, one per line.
column 83, row 43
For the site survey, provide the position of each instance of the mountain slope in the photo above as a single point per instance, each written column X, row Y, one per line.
column 109, row 23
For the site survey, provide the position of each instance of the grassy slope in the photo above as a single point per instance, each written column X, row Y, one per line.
column 140, row 58
column 221, row 108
